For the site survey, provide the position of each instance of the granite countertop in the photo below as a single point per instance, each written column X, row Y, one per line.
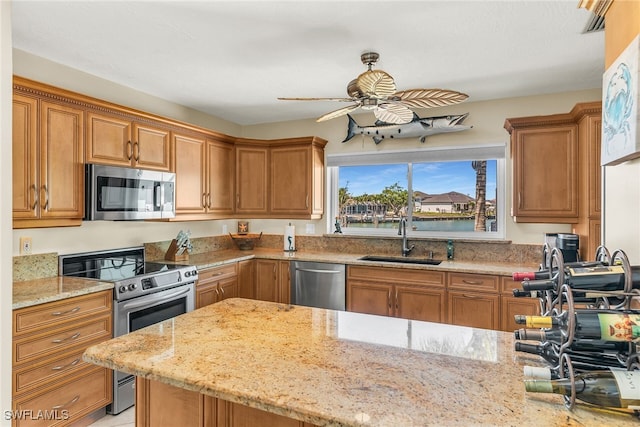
column 337, row 368
column 40, row 291
column 217, row 258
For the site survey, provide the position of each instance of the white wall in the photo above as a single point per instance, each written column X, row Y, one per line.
column 6, row 264
column 620, row 212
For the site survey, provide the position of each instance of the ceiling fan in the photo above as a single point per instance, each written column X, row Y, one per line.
column 375, row 90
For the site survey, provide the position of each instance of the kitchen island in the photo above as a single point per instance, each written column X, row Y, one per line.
column 241, row 360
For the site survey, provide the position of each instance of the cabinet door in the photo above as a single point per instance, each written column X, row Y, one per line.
column 220, row 173
column 189, row 165
column 290, row 190
column 479, row 310
column 246, row 282
column 207, row 294
column 545, row 176
column 251, row 180
column 267, row 280
column 284, row 282
column 369, row 297
column 61, row 189
column 159, row 404
column 236, row 415
column 25, row 155
column 228, row 288
column 419, row 303
column 512, row 306
column 150, row 147
column 108, row 140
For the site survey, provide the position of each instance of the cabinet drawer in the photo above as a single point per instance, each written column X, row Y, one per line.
column 61, row 339
column 217, row 273
column 37, row 376
column 67, row 402
column 47, row 315
column 473, row 282
column 397, row 275
column 507, row 285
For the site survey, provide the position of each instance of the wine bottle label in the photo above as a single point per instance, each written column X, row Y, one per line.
column 619, row 326
column 629, row 386
column 596, row 270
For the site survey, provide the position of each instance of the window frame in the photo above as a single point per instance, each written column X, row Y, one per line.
column 496, row 152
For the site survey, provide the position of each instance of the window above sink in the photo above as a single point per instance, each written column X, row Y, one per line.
column 369, row 192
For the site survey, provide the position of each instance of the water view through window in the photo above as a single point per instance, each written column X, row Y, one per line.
column 451, row 196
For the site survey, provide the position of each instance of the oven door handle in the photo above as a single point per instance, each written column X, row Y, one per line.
column 168, row 296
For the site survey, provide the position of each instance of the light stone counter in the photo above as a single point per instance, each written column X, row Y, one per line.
column 216, row 258
column 40, row 291
column 343, row 369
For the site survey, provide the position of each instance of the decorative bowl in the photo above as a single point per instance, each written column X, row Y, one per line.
column 245, row 242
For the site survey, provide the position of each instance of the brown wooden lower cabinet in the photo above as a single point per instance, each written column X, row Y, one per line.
column 510, row 305
column 162, row 405
column 272, row 281
column 405, row 293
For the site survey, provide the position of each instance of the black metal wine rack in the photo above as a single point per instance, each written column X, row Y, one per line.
column 560, row 300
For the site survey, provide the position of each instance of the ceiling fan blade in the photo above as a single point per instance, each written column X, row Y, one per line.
column 393, row 113
column 427, row 98
column 337, row 113
column 318, row 99
column 376, row 83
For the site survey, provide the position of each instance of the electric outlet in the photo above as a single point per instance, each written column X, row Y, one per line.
column 25, row 245
column 310, row 228
column 225, row 229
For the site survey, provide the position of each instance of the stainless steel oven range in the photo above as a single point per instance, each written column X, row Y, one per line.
column 145, row 293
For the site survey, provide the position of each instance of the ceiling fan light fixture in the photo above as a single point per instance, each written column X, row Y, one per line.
column 375, row 90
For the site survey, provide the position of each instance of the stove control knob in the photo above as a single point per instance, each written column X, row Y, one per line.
column 123, row 289
column 132, row 287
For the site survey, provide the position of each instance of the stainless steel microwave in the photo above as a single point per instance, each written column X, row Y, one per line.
column 120, row 194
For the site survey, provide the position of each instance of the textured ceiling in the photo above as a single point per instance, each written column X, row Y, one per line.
column 232, row 59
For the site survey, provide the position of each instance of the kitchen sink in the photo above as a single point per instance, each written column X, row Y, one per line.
column 406, row 260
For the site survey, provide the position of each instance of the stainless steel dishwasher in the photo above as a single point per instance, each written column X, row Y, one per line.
column 318, row 284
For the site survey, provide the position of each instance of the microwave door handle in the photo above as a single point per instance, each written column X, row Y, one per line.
column 168, row 296
column 158, row 195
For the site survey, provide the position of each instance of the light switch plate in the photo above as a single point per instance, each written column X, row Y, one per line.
column 311, row 229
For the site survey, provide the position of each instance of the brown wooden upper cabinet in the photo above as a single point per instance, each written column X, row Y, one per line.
column 48, row 175
column 118, row 140
column 280, row 178
column 204, row 176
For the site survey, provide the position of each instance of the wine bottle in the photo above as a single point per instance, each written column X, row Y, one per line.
column 555, row 336
column 596, row 278
column 615, row 388
column 546, row 373
column 582, row 359
column 596, row 324
column 547, row 274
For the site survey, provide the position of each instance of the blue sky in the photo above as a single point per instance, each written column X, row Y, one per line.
column 431, row 178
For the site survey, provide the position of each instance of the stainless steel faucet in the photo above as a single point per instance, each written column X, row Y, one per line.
column 402, row 231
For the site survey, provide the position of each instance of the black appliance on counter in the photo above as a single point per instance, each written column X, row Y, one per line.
column 567, row 243
column 145, row 293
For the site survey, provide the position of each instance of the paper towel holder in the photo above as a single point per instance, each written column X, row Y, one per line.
column 289, row 237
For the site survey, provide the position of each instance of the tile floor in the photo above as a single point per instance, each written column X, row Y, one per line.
column 123, row 419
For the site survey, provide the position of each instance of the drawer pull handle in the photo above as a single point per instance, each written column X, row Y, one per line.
column 61, row 367
column 472, row 282
column 62, row 313
column 71, row 338
column 64, row 405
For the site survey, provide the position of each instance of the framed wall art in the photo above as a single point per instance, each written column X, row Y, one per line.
column 620, row 112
